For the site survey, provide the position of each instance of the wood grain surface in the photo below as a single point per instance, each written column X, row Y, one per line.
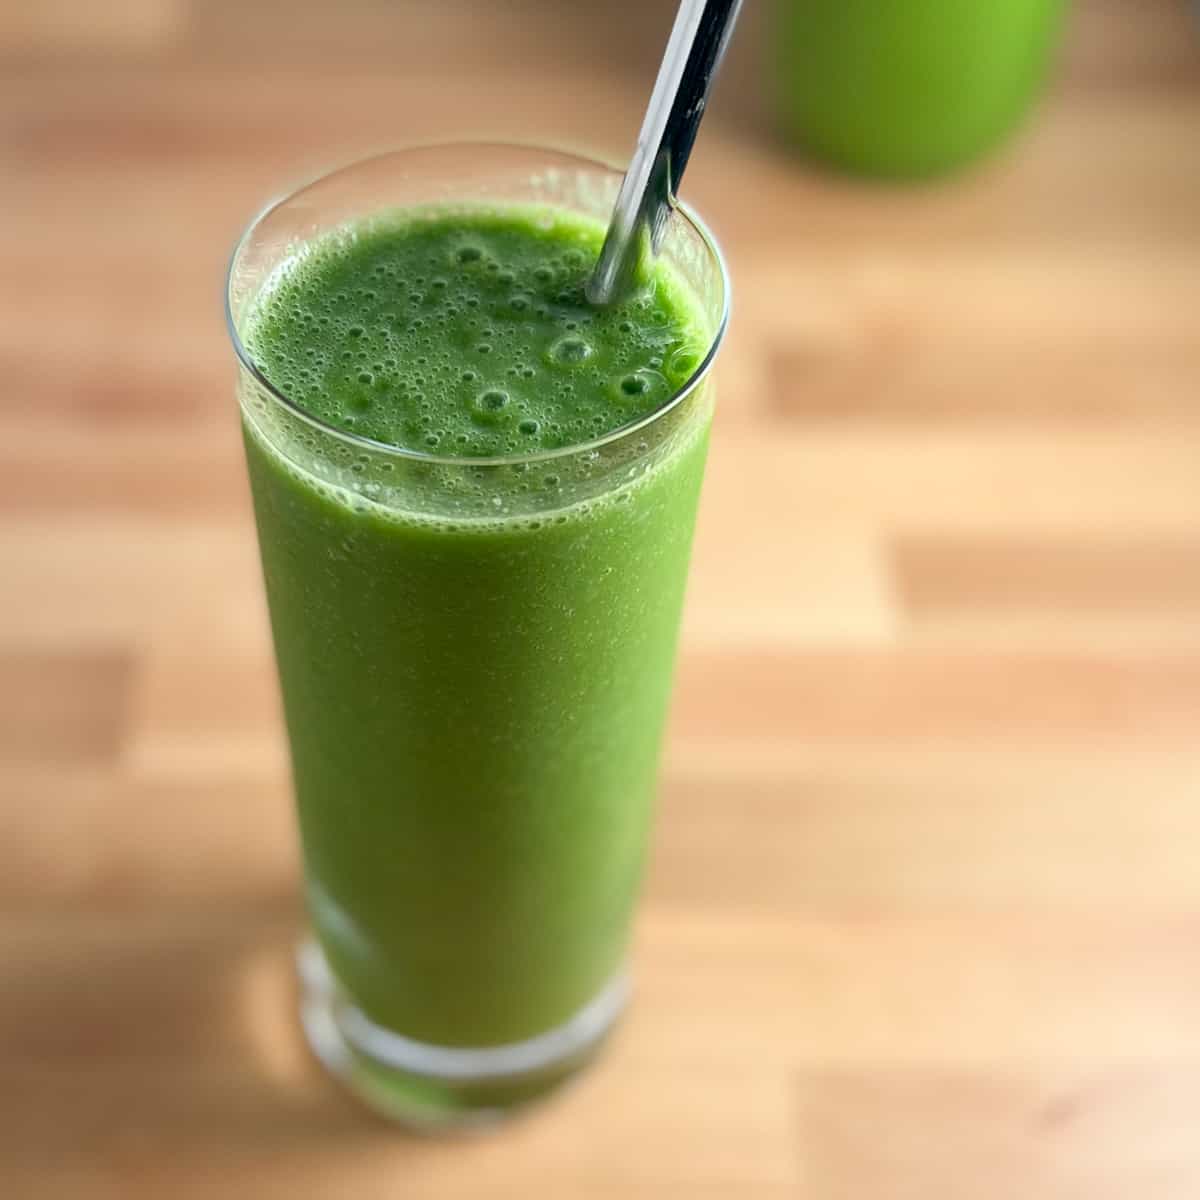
column 923, row 919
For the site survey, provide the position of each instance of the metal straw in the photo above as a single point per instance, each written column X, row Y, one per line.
column 647, row 196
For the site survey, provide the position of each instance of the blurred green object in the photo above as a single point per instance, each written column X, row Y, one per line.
column 907, row 88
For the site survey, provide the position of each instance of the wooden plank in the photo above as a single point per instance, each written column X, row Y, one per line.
column 1054, row 1131
column 920, row 830
column 939, row 697
column 935, row 576
column 126, row 577
column 55, row 26
column 66, row 708
column 86, row 838
column 1112, row 483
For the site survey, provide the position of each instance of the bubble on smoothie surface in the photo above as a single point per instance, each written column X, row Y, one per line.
column 570, row 351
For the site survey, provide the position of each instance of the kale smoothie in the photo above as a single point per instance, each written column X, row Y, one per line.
column 474, row 533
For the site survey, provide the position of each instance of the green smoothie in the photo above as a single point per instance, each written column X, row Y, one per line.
column 475, row 656
column 909, row 87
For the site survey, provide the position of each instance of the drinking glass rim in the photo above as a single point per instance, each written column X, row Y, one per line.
column 357, row 440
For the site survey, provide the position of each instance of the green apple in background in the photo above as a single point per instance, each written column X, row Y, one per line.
column 908, row 87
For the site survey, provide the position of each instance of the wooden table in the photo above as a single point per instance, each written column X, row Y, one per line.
column 923, row 920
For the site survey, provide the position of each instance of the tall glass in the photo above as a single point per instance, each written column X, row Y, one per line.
column 475, row 658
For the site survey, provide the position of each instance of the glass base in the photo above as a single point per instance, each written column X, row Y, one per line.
column 437, row 1087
